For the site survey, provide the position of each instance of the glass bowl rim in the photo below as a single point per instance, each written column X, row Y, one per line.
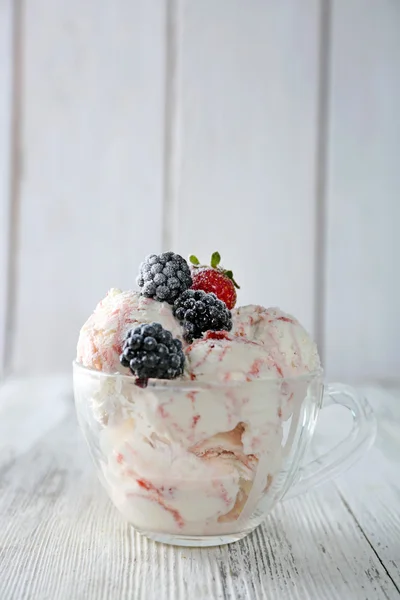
column 187, row 385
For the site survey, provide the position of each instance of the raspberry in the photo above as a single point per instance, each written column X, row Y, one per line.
column 164, row 277
column 199, row 312
column 150, row 351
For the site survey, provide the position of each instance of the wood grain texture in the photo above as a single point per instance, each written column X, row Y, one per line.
column 363, row 208
column 372, row 491
column 92, row 135
column 61, row 538
column 245, row 144
column 6, row 119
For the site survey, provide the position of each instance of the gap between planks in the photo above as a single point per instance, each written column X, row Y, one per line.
column 351, row 512
column 171, row 125
column 15, row 175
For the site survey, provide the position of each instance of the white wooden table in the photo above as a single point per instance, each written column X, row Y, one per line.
column 61, row 539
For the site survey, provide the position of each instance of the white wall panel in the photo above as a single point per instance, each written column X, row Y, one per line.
column 6, row 85
column 92, row 182
column 244, row 146
column 239, row 83
column 362, row 334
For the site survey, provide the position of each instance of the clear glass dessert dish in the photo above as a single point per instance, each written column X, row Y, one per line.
column 203, row 463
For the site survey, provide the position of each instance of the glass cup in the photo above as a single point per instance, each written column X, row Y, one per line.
column 203, row 464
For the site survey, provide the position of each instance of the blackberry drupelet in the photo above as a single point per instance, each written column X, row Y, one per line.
column 151, row 351
column 164, row 277
column 198, row 312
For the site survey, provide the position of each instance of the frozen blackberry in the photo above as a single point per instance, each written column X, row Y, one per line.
column 198, row 312
column 164, row 276
column 150, row 351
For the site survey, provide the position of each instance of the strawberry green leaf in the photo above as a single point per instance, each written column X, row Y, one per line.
column 215, row 259
column 229, row 274
column 237, row 286
column 194, row 260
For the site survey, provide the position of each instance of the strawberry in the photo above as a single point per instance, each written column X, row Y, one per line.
column 214, row 279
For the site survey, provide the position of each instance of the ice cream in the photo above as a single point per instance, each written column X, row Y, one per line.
column 223, row 357
column 101, row 337
column 186, row 460
column 286, row 340
column 166, row 485
column 198, row 454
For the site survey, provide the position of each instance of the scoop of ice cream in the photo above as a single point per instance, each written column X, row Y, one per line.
column 154, row 478
column 281, row 334
column 101, row 337
column 158, row 483
column 222, row 357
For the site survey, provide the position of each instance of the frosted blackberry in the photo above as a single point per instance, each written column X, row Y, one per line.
column 150, row 351
column 164, row 276
column 199, row 312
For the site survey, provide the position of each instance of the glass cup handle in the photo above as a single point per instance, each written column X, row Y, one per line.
column 347, row 451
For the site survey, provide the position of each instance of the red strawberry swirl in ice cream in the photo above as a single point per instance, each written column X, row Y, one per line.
column 292, row 349
column 224, row 357
column 101, row 337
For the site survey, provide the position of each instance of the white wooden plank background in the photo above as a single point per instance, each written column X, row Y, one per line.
column 61, row 538
column 6, row 120
column 363, row 206
column 247, row 129
column 91, row 191
column 146, row 125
